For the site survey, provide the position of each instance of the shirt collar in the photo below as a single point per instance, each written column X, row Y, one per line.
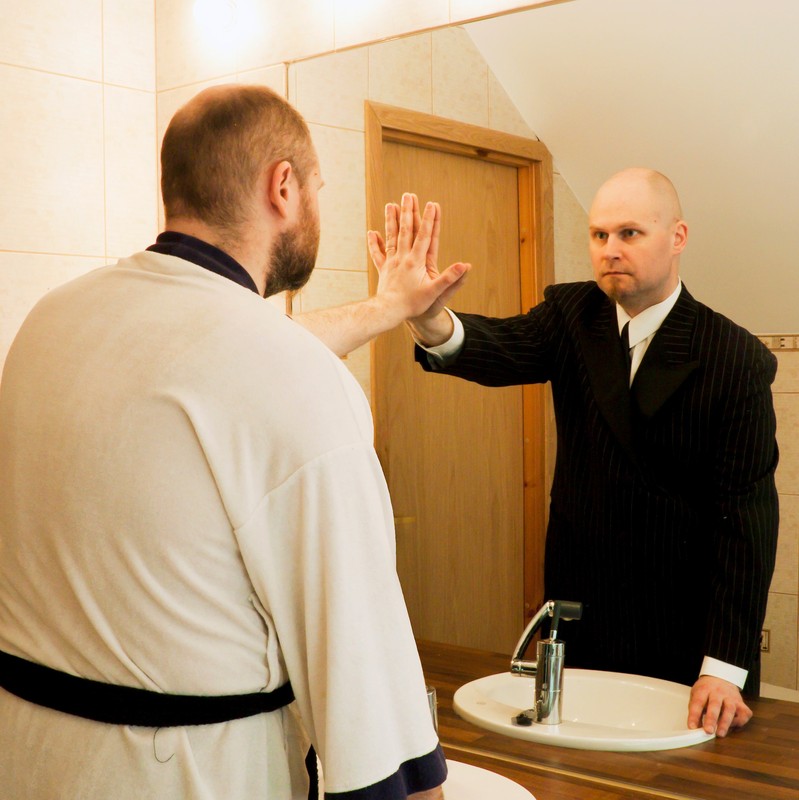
column 643, row 325
column 204, row 255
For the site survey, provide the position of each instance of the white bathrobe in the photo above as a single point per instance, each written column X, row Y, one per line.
column 190, row 502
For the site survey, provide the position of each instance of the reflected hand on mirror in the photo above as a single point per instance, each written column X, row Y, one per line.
column 406, row 261
column 717, row 705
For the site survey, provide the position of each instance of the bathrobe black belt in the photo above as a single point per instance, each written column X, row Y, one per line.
column 127, row 705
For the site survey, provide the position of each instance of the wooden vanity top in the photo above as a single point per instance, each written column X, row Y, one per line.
column 759, row 762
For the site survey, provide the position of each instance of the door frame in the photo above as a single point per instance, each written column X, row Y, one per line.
column 533, row 164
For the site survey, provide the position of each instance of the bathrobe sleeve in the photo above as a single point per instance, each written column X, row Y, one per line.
column 320, row 552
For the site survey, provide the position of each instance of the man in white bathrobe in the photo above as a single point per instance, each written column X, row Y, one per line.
column 192, row 515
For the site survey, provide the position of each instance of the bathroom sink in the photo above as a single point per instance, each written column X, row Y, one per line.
column 601, row 711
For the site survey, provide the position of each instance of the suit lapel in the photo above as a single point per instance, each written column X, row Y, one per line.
column 599, row 338
column 666, row 363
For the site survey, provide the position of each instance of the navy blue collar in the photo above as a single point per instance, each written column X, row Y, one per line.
column 205, row 255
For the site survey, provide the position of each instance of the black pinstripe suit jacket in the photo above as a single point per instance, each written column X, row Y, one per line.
column 663, row 514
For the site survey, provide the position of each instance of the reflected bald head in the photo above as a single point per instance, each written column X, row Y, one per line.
column 651, row 190
column 218, row 144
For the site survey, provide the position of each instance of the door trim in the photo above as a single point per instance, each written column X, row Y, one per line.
column 533, row 163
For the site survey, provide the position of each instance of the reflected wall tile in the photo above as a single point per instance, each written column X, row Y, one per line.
column 24, row 279
column 786, row 407
column 64, row 37
column 330, row 90
column 131, row 188
column 342, row 201
column 331, row 287
column 460, row 78
column 129, row 43
column 280, row 31
column 571, row 235
column 502, row 113
column 358, row 22
column 779, row 665
column 787, row 379
column 400, row 73
column 53, row 157
column 786, row 573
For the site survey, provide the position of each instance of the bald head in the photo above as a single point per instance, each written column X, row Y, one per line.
column 217, row 146
column 647, row 188
column 636, row 237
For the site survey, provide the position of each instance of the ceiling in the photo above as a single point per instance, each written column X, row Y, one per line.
column 706, row 91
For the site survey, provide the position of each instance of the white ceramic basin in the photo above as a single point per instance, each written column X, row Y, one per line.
column 601, row 711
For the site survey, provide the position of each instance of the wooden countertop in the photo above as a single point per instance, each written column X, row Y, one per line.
column 759, row 762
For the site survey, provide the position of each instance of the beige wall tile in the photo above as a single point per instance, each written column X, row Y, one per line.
column 782, row 622
column 131, row 187
column 284, row 31
column 24, row 279
column 189, row 52
column 502, row 113
column 330, row 90
column 787, row 379
column 62, row 37
column 473, row 9
column 275, row 77
column 129, row 43
column 358, row 22
column 786, row 407
column 786, row 572
column 460, row 78
column 571, row 236
column 400, row 73
column 52, row 166
column 342, row 201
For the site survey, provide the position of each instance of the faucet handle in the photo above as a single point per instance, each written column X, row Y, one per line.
column 564, row 609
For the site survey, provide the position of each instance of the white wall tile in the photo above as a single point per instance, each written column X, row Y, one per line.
column 62, row 37
column 187, row 52
column 331, row 89
column 282, row 31
column 27, row 277
column 460, row 78
column 342, row 201
column 358, row 22
column 461, row 10
column 274, row 77
column 129, row 43
column 51, row 172
column 400, row 73
column 131, row 187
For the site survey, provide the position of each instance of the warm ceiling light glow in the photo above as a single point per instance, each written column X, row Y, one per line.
column 215, row 16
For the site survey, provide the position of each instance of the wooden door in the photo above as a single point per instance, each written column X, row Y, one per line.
column 454, row 452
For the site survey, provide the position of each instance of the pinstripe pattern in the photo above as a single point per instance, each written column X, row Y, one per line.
column 663, row 516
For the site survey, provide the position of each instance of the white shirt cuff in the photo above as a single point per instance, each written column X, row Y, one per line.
column 450, row 348
column 721, row 669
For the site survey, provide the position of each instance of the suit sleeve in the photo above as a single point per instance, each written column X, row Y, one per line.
column 747, row 516
column 501, row 352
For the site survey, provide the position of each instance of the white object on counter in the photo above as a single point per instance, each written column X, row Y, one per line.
column 466, row 782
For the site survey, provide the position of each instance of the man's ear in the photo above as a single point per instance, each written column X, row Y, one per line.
column 280, row 186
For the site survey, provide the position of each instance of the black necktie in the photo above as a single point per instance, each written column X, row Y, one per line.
column 625, row 345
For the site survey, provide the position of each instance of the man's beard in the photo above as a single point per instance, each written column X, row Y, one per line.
column 293, row 255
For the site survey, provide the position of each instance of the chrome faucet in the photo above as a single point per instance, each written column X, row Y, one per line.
column 548, row 667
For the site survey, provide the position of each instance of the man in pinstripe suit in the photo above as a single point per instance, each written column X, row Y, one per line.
column 664, row 514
